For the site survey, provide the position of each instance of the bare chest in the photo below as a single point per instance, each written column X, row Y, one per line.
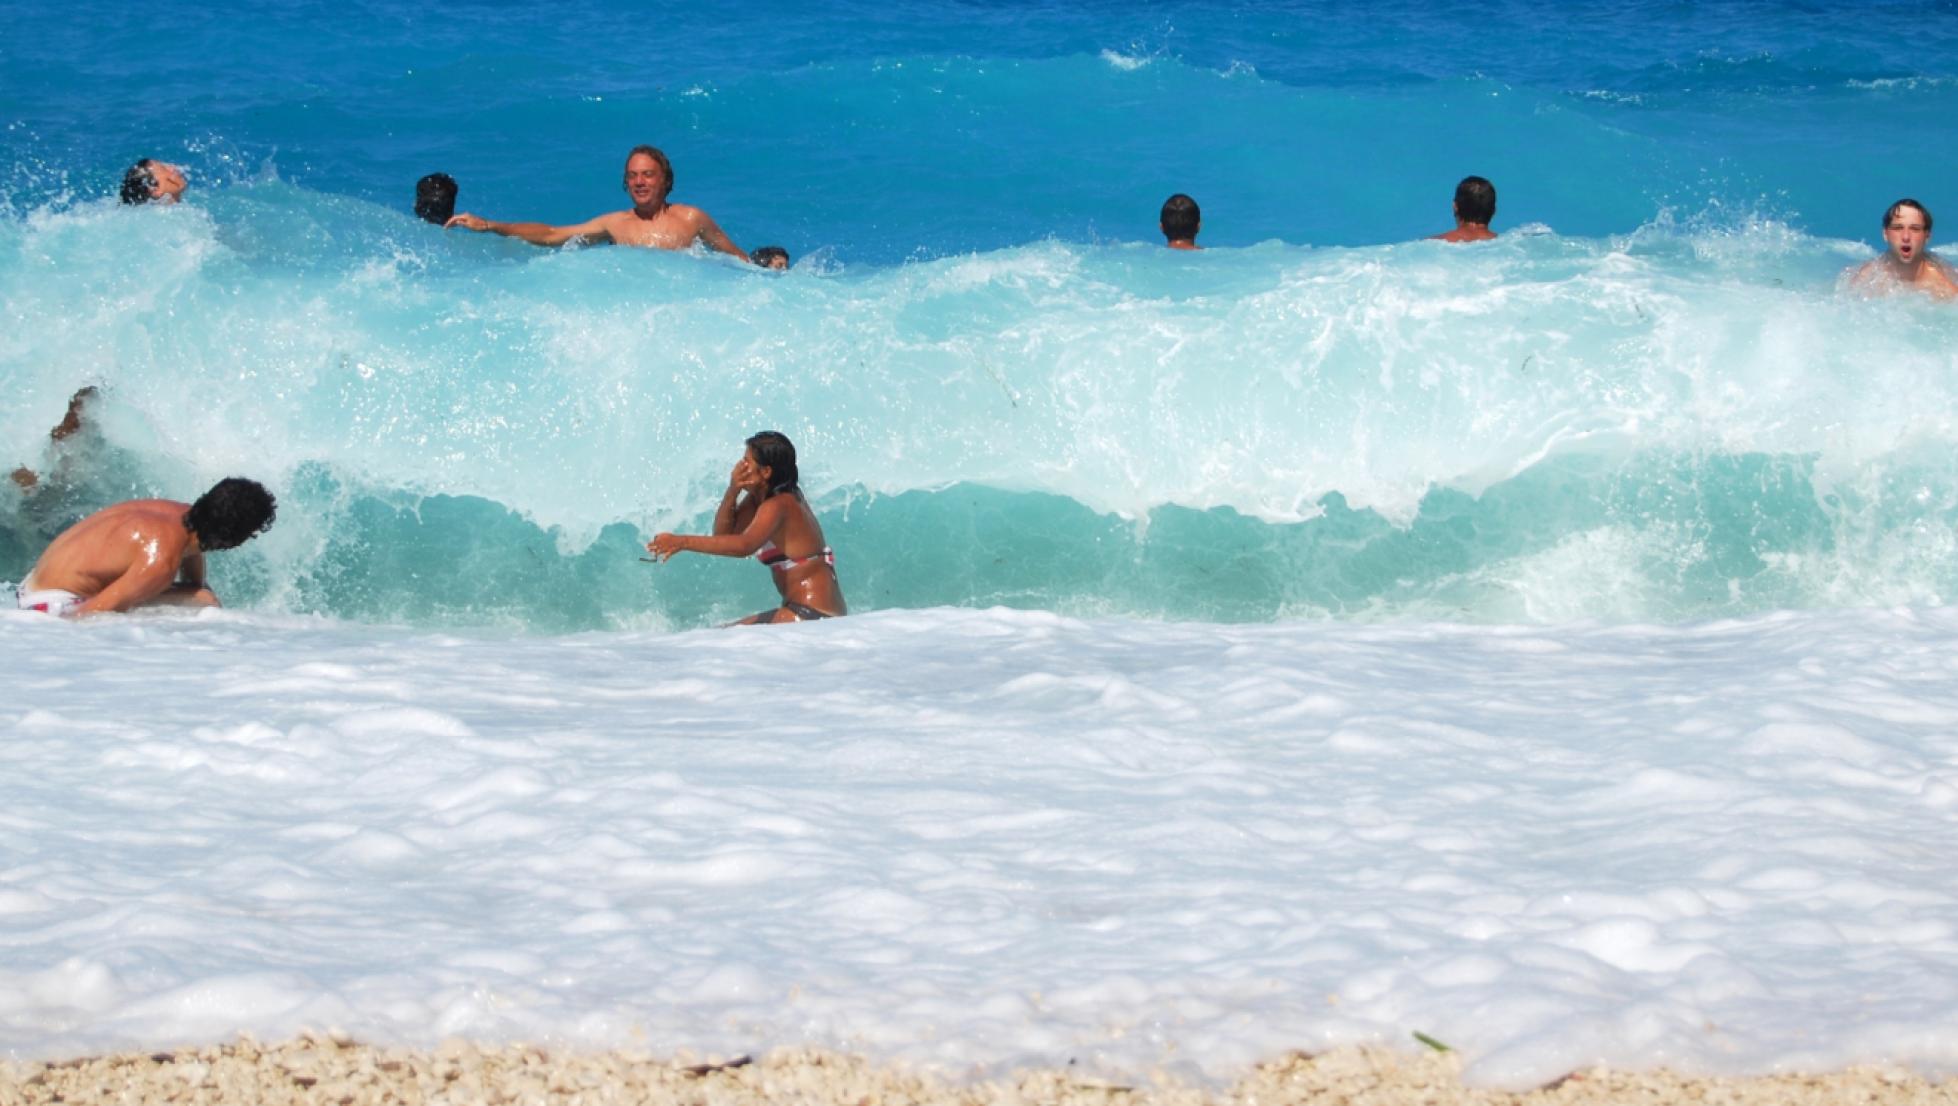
column 667, row 231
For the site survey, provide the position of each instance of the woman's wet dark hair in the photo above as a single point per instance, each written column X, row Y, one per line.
column 139, row 183
column 774, row 451
column 233, row 512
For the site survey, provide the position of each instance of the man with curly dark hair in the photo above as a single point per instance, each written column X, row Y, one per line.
column 145, row 551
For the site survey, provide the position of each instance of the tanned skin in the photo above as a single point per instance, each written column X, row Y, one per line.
column 1465, row 231
column 1909, row 263
column 70, row 423
column 749, row 518
column 130, row 555
column 650, row 222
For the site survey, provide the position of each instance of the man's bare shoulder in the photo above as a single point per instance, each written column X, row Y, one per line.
column 96, row 550
column 140, row 520
column 615, row 223
column 1938, row 276
column 167, row 510
column 688, row 214
column 1464, row 234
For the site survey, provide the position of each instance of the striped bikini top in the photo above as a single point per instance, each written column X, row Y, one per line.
column 772, row 556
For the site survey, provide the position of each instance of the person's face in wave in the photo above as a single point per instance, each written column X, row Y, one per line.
column 1907, row 235
column 644, row 181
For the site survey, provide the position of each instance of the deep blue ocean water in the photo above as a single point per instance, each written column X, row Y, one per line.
column 1649, row 400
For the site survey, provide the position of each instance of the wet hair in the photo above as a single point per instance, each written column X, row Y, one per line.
column 665, row 166
column 765, row 256
column 1181, row 217
column 139, row 183
column 1892, row 213
column 1475, row 200
column 774, row 452
column 233, row 512
column 435, row 198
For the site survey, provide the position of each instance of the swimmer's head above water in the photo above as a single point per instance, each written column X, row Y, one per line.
column 1180, row 221
column 774, row 452
column 233, row 512
column 1907, row 229
column 435, row 198
column 648, row 176
column 1475, row 201
column 153, row 181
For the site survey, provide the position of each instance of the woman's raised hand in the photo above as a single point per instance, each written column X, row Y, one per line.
column 746, row 477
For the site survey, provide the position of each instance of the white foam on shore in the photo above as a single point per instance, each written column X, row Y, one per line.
column 976, row 839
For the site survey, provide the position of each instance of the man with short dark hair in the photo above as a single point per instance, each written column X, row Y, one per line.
column 650, row 221
column 1475, row 205
column 1181, row 219
column 150, row 181
column 435, row 198
column 145, row 552
column 770, row 257
column 1909, row 262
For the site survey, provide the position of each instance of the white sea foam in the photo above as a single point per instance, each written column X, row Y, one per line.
column 983, row 838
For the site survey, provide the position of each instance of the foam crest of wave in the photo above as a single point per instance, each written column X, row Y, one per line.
column 329, row 346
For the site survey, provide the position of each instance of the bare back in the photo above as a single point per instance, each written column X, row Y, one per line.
column 1467, row 232
column 122, row 556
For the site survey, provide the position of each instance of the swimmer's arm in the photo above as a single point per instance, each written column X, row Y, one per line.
column 139, row 585
column 710, row 232
column 735, row 512
column 537, row 234
column 191, row 572
column 743, row 544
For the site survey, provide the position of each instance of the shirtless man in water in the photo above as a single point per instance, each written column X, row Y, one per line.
column 651, row 221
column 1909, row 262
column 145, row 551
column 1475, row 205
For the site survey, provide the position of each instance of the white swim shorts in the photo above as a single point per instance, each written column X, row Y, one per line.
column 54, row 601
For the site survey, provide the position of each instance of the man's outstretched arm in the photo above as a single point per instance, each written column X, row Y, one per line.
column 537, row 234
column 710, row 232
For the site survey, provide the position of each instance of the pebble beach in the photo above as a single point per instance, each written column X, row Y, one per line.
column 341, row 1071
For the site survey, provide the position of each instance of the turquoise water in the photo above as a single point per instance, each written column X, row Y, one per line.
column 1649, row 400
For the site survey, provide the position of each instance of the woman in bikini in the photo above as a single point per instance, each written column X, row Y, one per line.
column 764, row 515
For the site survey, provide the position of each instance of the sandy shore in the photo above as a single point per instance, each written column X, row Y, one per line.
column 320, row 1070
